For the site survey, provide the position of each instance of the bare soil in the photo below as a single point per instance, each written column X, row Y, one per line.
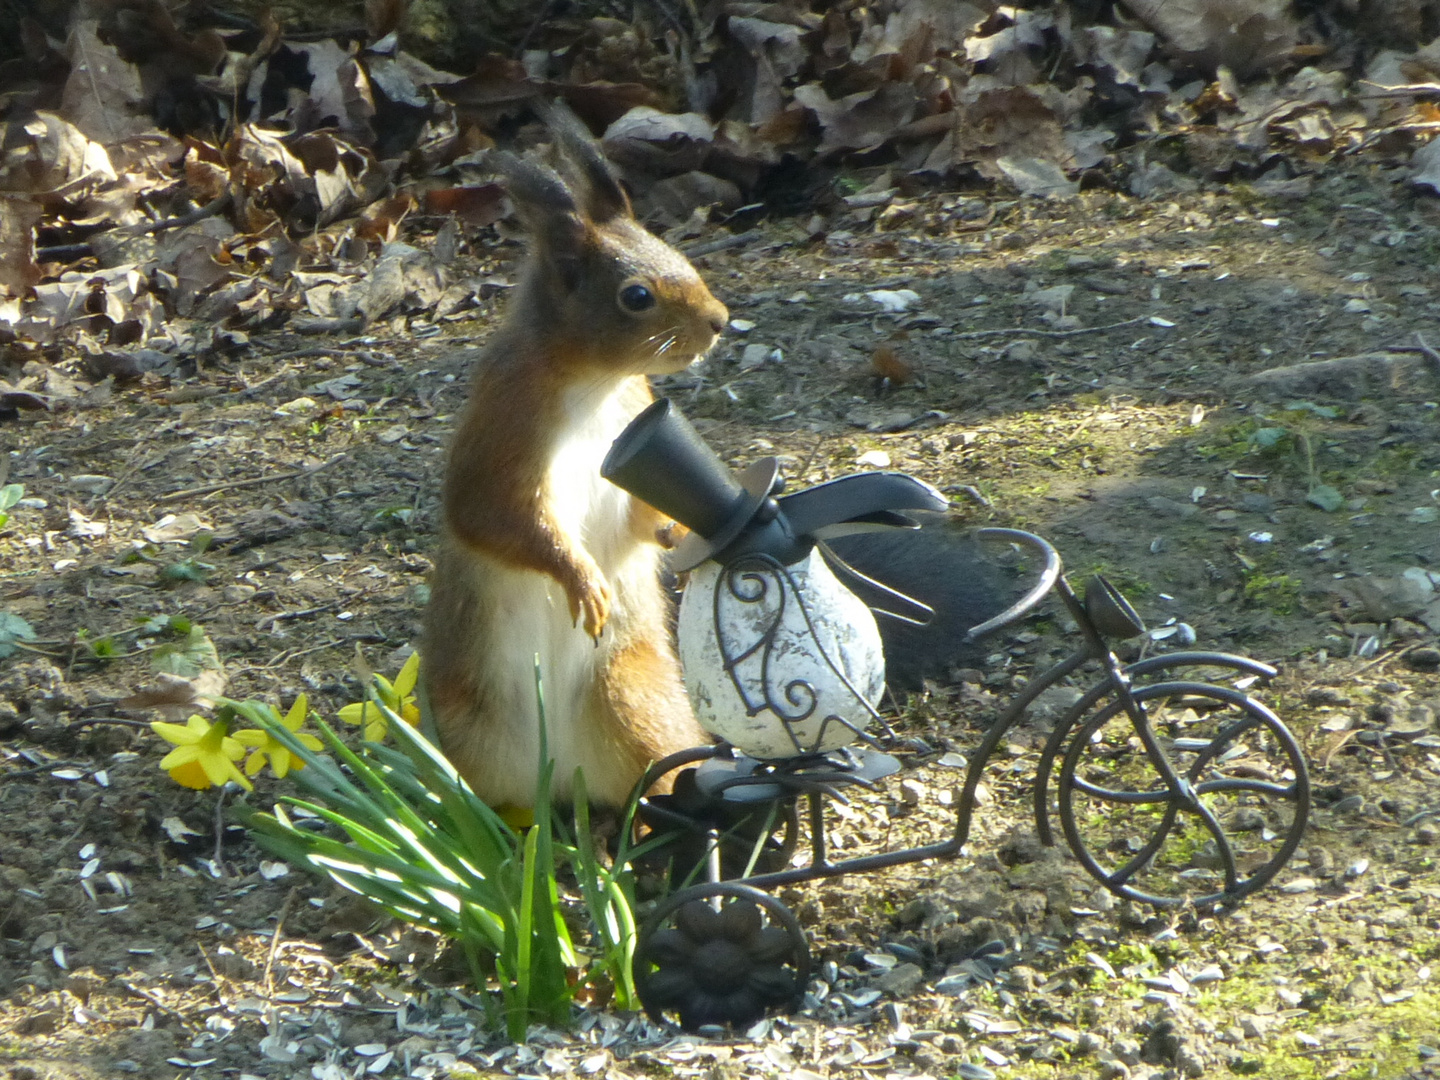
column 1128, row 430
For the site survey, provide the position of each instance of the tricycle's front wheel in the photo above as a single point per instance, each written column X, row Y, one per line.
column 720, row 953
column 1206, row 813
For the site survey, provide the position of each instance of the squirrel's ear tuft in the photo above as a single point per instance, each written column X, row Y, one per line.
column 544, row 201
column 604, row 198
column 536, row 190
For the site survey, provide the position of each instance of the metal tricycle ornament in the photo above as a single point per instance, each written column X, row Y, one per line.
column 1168, row 790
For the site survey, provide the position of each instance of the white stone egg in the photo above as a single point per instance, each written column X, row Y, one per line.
column 777, row 688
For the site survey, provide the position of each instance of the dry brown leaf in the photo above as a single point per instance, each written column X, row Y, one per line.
column 600, row 104
column 1010, row 122
column 383, row 17
column 652, row 125
column 785, row 128
column 1123, row 53
column 677, row 197
column 1246, row 36
column 381, row 221
column 860, row 121
column 403, row 278
column 21, row 397
column 919, row 29
column 51, row 155
column 104, row 96
column 1334, row 743
column 776, row 53
column 481, row 205
column 339, row 95
column 395, row 80
column 225, row 303
column 499, row 85
column 1037, row 177
column 174, row 696
column 1006, row 54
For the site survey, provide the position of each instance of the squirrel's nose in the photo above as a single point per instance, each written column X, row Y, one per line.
column 717, row 323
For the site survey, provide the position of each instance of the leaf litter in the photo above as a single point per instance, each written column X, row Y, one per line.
column 1209, row 204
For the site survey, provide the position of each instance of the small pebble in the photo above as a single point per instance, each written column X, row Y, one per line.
column 900, row 981
column 1426, row 659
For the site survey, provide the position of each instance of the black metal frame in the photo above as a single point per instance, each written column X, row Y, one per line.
column 1103, row 613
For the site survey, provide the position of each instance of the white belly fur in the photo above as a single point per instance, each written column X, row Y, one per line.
column 531, row 614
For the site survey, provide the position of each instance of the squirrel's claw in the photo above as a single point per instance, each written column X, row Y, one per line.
column 590, row 607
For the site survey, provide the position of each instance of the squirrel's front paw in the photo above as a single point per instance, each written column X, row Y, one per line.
column 591, row 601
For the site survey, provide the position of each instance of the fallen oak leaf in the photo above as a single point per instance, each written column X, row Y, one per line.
column 480, row 205
column 173, row 695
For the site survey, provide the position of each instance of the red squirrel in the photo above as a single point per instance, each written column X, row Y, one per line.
column 538, row 554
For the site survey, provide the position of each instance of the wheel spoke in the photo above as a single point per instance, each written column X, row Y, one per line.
column 1147, row 852
column 1180, row 764
column 1222, row 844
column 1255, row 787
column 1112, row 795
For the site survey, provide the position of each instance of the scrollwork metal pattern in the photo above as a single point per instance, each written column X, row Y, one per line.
column 750, row 580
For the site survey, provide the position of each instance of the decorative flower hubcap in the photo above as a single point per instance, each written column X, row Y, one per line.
column 722, row 967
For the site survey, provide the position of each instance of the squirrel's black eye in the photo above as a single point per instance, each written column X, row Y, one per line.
column 636, row 298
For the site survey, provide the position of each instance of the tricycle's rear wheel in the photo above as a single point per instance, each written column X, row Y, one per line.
column 1222, row 823
column 721, row 953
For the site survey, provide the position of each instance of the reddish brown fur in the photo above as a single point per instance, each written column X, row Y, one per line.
column 494, row 487
column 524, row 506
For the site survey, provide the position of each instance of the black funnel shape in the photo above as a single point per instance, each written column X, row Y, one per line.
column 662, row 460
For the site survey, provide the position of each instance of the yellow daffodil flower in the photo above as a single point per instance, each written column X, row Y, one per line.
column 265, row 746
column 518, row 818
column 398, row 697
column 204, row 753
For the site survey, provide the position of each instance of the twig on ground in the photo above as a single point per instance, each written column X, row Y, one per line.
column 141, row 992
column 804, row 469
column 64, row 253
column 220, row 829
column 973, row 492
column 134, row 466
column 279, row 376
column 972, row 334
column 217, row 980
column 291, row 654
column 1430, row 354
column 1379, row 660
column 119, row 721
column 30, row 646
column 38, row 769
column 200, row 213
column 231, row 485
column 709, row 247
column 271, row 1016
column 304, row 324
column 302, row 613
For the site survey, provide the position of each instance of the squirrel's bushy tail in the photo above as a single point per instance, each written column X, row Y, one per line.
column 941, row 566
